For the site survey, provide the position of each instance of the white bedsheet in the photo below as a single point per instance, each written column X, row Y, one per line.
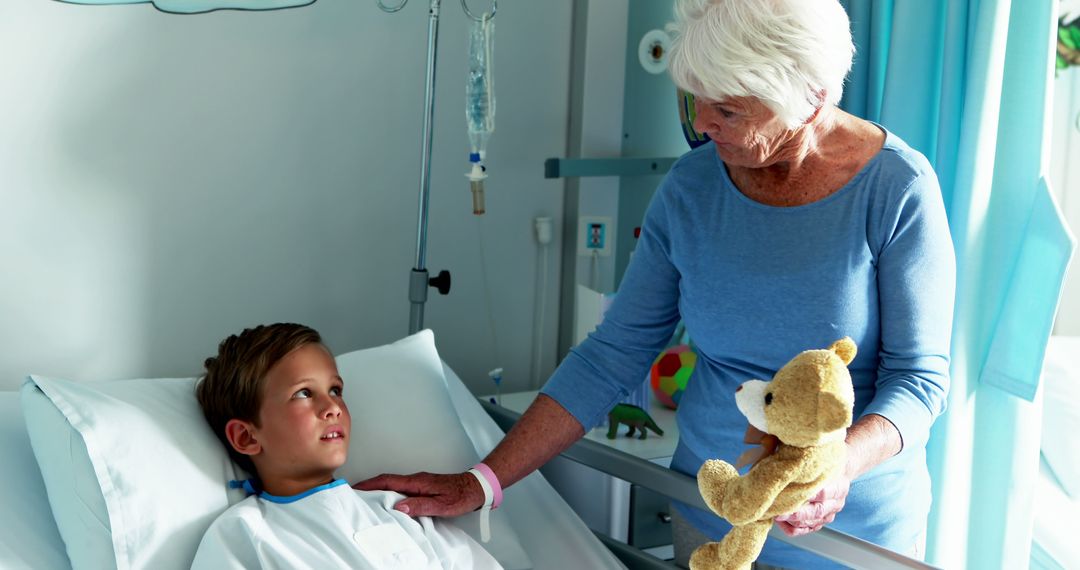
column 538, row 514
column 1054, row 545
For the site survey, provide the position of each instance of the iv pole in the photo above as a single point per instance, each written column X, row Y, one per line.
column 418, row 277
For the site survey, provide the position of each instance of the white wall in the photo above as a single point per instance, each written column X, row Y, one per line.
column 1065, row 181
column 599, row 77
column 168, row 180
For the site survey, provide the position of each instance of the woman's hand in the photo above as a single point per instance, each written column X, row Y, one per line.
column 870, row 441
column 430, row 494
column 542, row 432
column 819, row 511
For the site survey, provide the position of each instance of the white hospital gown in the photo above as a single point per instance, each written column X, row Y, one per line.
column 334, row 527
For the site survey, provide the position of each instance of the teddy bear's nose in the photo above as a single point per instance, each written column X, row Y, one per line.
column 739, row 388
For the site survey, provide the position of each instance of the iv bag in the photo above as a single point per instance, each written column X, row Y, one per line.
column 480, row 86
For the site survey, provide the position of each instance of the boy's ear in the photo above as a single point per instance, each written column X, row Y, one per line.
column 241, row 436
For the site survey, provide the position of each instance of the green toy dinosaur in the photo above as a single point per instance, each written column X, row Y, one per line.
column 632, row 416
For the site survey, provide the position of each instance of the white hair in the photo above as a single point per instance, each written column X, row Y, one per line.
column 784, row 53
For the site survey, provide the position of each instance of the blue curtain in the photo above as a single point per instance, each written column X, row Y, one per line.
column 967, row 82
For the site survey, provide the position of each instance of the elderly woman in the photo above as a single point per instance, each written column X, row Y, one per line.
column 799, row 224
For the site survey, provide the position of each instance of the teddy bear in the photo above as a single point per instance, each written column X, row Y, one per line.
column 807, row 407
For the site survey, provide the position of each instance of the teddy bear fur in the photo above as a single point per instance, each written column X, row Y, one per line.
column 808, row 407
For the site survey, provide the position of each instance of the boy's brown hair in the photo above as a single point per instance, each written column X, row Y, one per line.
column 232, row 386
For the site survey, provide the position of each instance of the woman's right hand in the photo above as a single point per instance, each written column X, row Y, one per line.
column 430, row 494
column 543, row 431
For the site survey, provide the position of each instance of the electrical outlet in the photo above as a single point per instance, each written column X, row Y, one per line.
column 595, row 236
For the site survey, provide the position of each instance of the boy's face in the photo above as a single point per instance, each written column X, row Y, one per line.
column 304, row 423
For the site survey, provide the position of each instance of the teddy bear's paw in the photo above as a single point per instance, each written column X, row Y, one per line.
column 709, row 556
column 706, row 557
column 712, row 481
column 717, row 471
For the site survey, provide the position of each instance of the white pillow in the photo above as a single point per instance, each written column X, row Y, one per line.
column 134, row 474
column 403, row 421
column 144, row 475
column 30, row 538
column 1061, row 411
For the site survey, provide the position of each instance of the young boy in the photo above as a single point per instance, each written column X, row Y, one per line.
column 274, row 397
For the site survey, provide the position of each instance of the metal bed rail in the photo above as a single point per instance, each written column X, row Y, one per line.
column 828, row 543
column 585, row 167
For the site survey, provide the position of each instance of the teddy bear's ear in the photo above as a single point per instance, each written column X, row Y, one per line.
column 845, row 348
column 833, row 413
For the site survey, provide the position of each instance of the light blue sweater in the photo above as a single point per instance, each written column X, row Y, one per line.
column 758, row 284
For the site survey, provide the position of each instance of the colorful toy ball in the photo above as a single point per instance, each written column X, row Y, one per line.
column 671, row 372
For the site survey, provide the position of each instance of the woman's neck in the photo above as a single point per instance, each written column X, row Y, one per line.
column 819, row 158
column 803, row 147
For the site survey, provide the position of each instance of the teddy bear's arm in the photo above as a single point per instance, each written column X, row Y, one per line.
column 747, row 498
column 793, row 497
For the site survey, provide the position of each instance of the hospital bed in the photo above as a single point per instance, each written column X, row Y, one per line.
column 42, row 532
column 1057, row 488
column 32, row 536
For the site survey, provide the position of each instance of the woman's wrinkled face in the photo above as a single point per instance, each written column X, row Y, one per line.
column 747, row 133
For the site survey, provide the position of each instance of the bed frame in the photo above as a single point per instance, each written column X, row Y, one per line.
column 834, row 545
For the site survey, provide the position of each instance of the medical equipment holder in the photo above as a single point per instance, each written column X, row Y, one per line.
column 418, row 276
column 581, row 167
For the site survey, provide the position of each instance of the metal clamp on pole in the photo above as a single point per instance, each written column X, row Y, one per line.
column 441, row 282
column 418, row 284
column 418, row 294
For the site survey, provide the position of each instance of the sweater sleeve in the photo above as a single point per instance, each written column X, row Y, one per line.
column 916, row 285
column 615, row 358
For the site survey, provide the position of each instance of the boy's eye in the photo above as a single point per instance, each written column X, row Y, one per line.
column 336, row 391
column 304, row 393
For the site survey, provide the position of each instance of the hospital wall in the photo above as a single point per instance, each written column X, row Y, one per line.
column 168, row 180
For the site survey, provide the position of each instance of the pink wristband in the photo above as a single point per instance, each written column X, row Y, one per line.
column 492, row 480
